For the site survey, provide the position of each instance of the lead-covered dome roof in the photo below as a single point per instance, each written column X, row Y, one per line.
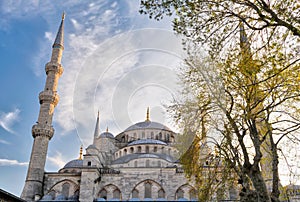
column 147, row 141
column 147, row 125
column 107, row 135
column 77, row 163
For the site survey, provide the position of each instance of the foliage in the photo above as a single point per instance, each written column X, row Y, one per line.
column 215, row 24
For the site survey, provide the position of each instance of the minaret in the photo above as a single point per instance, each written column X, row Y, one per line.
column 97, row 129
column 147, row 115
column 43, row 131
column 250, row 69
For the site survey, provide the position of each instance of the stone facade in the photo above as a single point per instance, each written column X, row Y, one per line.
column 137, row 164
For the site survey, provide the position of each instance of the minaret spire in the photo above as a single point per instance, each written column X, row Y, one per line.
column 80, row 153
column 97, row 128
column 148, row 115
column 43, row 131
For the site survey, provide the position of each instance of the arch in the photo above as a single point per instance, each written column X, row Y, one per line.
column 148, row 190
column 186, row 190
column 103, row 193
column 117, row 194
column 161, row 193
column 110, row 190
column 135, row 193
column 139, row 148
column 65, row 189
column 131, row 150
column 148, row 187
column 125, row 152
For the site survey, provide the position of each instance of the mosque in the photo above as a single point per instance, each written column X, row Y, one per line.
column 138, row 164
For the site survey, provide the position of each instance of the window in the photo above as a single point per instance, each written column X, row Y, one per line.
column 135, row 193
column 139, row 149
column 117, row 194
column 148, row 193
column 125, row 151
column 161, row 193
column 162, row 150
column 180, row 193
column 103, row 194
column 152, row 135
column 89, row 163
column 143, row 134
column 65, row 189
column 131, row 150
column 193, row 194
column 147, row 149
column 154, row 149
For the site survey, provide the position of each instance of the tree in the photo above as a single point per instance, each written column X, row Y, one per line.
column 252, row 88
column 214, row 24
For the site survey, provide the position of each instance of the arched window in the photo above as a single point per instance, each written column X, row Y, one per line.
column 139, row 149
column 125, row 151
column 131, row 150
column 147, row 149
column 135, row 193
column 117, row 194
column 161, row 193
column 180, row 193
column 65, row 189
column 160, row 136
column 103, row 194
column 148, row 191
column 193, row 194
column 154, row 149
column 152, row 135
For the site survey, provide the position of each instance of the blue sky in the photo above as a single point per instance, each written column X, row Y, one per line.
column 115, row 60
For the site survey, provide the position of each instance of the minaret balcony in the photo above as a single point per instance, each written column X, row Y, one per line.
column 54, row 67
column 42, row 130
column 48, row 96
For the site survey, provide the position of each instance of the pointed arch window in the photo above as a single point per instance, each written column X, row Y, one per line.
column 180, row 194
column 161, row 193
column 135, row 193
column 103, row 194
column 65, row 189
column 117, row 194
column 148, row 190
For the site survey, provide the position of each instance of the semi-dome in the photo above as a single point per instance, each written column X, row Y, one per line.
column 147, row 125
column 130, row 157
column 77, row 163
column 107, row 135
column 147, row 141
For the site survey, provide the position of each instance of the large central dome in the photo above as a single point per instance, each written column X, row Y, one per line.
column 147, row 125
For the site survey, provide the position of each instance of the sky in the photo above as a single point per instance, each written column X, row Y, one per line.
column 115, row 60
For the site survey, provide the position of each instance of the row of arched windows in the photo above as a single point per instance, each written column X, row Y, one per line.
column 144, row 149
column 145, row 190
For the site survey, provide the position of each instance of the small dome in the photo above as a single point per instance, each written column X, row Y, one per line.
column 77, row 163
column 107, row 135
column 147, row 125
column 147, row 141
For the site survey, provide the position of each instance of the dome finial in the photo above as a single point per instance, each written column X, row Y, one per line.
column 148, row 115
column 107, row 129
column 80, row 153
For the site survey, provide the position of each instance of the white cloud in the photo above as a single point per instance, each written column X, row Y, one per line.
column 7, row 120
column 4, row 142
column 8, row 162
column 56, row 160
